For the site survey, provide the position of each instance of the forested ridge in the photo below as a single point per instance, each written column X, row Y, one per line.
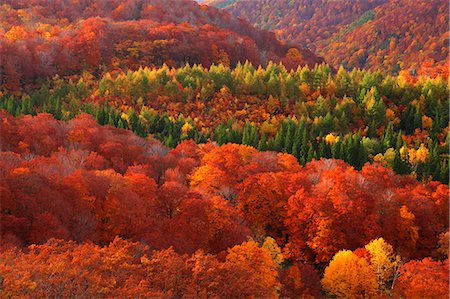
column 166, row 149
column 383, row 35
column 43, row 38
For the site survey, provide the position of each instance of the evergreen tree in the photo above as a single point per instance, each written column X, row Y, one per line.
column 304, row 145
column 99, row 117
column 169, row 141
column 250, row 135
column 311, row 154
column 262, row 145
column 121, row 124
column 235, row 136
column 417, row 118
column 336, row 150
column 111, row 120
column 400, row 165
column 444, row 175
column 399, row 141
column 387, row 140
column 134, row 121
column 288, row 141
column 297, row 142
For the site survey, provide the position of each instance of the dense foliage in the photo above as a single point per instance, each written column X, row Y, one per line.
column 357, row 116
column 384, row 35
column 80, row 181
column 42, row 38
column 165, row 149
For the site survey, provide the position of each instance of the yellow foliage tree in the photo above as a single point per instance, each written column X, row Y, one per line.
column 384, row 262
column 380, row 159
column 389, row 156
column 271, row 246
column 16, row 33
column 350, row 276
column 422, row 153
column 417, row 156
column 185, row 129
column 427, row 122
column 404, row 152
column 331, row 139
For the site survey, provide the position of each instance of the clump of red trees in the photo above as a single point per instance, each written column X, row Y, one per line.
column 134, row 218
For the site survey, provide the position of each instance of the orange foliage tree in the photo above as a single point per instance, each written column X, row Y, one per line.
column 423, row 279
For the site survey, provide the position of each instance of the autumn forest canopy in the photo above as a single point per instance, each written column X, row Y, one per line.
column 382, row 35
column 171, row 149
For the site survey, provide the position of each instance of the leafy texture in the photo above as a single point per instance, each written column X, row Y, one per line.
column 377, row 34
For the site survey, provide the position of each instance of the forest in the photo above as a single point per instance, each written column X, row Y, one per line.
column 382, row 35
column 357, row 116
column 42, row 38
column 169, row 149
column 228, row 221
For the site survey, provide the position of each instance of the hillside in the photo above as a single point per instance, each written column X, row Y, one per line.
column 41, row 38
column 356, row 116
column 95, row 211
column 168, row 149
column 376, row 34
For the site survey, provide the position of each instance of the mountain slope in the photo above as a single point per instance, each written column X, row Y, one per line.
column 39, row 38
column 402, row 35
column 374, row 34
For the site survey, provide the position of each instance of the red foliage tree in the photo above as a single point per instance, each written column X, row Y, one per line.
column 423, row 279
